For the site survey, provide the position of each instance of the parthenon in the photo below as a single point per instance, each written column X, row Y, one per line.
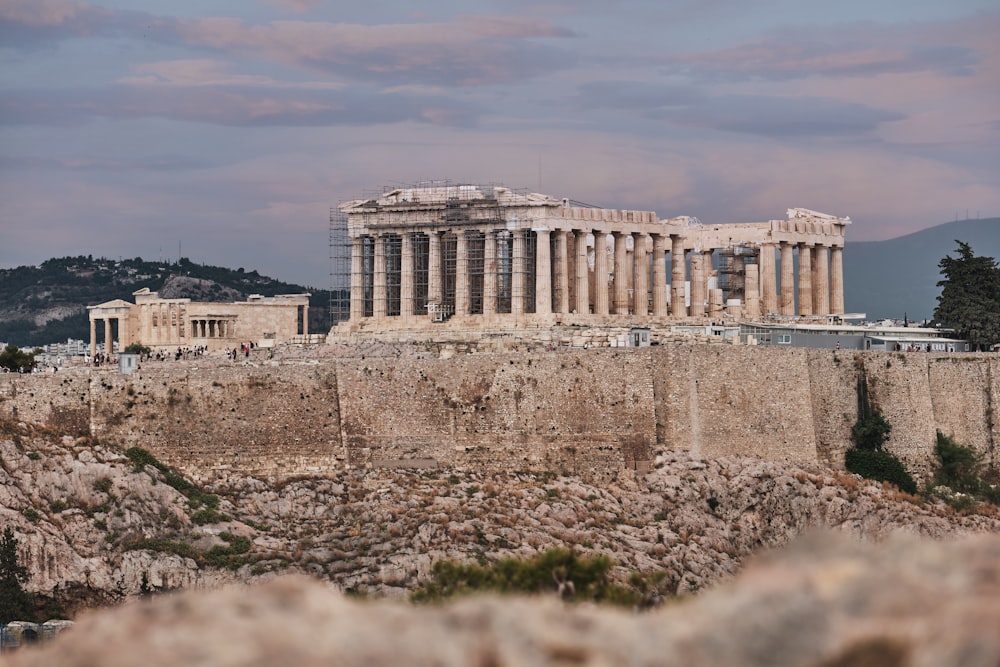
column 487, row 256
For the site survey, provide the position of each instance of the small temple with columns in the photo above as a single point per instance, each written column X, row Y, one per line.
column 160, row 323
column 476, row 257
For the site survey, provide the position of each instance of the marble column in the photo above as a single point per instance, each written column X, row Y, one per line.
column 821, row 281
column 109, row 343
column 562, row 272
column 490, row 273
column 600, row 273
column 751, row 291
column 621, row 274
column 543, row 272
column 837, row 281
column 640, row 283
column 379, row 279
column 357, row 281
column 405, row 277
column 582, row 273
column 787, row 279
column 805, row 280
column 768, row 281
column 461, row 273
column 434, row 269
column 659, row 275
column 518, row 273
column 93, row 337
column 678, row 276
column 698, row 294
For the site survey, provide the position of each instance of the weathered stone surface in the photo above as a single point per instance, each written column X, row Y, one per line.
column 825, row 601
column 598, row 413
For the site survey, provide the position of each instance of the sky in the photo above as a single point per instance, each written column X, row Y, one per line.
column 224, row 131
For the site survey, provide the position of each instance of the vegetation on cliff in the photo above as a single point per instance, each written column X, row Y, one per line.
column 568, row 574
column 869, row 433
column 16, row 604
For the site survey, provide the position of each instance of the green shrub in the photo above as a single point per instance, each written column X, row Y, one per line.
column 879, row 465
column 31, row 515
column 871, row 430
column 103, row 485
column 208, row 515
column 582, row 578
column 197, row 498
column 34, row 456
column 959, row 466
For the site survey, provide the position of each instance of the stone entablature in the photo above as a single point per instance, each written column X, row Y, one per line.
column 169, row 323
column 489, row 257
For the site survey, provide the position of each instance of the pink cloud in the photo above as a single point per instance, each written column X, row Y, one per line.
column 297, row 6
column 46, row 13
column 470, row 50
column 207, row 72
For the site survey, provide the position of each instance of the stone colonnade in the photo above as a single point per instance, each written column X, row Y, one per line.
column 442, row 253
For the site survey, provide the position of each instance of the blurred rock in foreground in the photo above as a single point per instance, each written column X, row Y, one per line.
column 824, row 601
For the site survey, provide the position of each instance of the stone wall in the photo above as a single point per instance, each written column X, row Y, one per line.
column 597, row 413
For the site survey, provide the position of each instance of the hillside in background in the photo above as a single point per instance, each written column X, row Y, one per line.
column 48, row 303
column 897, row 277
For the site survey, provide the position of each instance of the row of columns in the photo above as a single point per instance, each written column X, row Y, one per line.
column 213, row 328
column 820, row 282
column 108, row 336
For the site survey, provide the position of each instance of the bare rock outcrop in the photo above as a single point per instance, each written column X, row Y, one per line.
column 826, row 601
column 93, row 529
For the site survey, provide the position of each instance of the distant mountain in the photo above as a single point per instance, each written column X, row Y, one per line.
column 897, row 277
column 48, row 303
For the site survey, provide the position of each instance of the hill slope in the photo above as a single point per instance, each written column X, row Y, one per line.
column 48, row 303
column 897, row 277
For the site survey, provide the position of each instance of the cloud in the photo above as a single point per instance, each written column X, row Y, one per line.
column 212, row 73
column 863, row 50
column 230, row 106
column 297, row 6
column 466, row 51
column 776, row 116
column 781, row 116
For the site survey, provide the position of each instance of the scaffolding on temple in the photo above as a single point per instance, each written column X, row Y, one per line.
column 391, row 271
column 340, row 268
column 732, row 270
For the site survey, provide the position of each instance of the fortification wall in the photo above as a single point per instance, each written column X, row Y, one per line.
column 597, row 413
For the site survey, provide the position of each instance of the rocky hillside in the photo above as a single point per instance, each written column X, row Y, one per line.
column 95, row 525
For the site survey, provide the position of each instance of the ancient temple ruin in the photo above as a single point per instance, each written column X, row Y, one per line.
column 161, row 323
column 488, row 257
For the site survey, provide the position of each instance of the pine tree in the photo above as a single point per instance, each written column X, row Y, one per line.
column 16, row 604
column 970, row 297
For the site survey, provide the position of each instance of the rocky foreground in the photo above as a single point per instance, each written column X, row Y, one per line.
column 95, row 528
column 827, row 601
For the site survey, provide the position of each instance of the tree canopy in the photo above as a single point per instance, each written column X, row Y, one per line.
column 970, row 297
column 13, row 359
column 15, row 603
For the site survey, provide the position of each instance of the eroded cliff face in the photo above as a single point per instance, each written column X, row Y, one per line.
column 93, row 529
